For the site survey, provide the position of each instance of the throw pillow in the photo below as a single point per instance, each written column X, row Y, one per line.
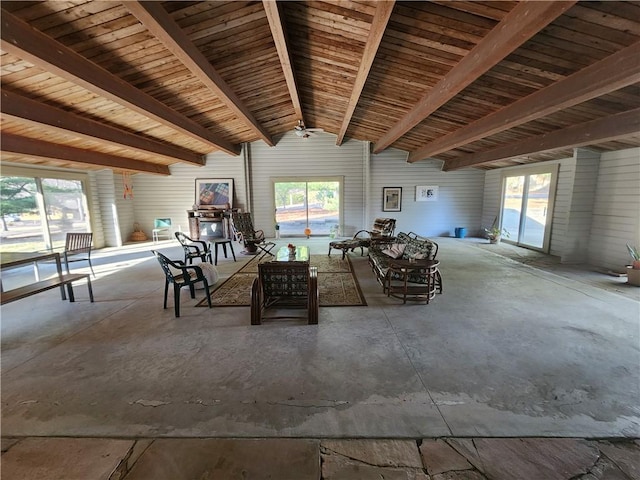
column 395, row 250
column 210, row 272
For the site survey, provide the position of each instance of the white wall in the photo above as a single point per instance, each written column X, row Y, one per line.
column 459, row 202
column 317, row 156
column 158, row 196
column 616, row 210
column 597, row 208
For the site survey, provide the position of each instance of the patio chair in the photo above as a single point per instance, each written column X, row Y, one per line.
column 181, row 275
column 382, row 230
column 251, row 238
column 77, row 247
column 194, row 249
column 285, row 284
column 161, row 228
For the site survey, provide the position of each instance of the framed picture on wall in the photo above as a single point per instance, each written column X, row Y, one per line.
column 426, row 194
column 214, row 193
column 391, row 199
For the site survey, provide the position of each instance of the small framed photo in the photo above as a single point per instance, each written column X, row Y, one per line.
column 391, row 199
column 214, row 193
column 426, row 194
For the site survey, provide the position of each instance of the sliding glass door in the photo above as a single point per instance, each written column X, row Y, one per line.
column 527, row 203
column 38, row 212
column 312, row 204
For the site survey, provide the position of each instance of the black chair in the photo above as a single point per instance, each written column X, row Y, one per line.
column 181, row 275
column 285, row 284
column 77, row 247
column 194, row 249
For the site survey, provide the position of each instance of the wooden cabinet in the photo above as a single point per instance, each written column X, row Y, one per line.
column 210, row 223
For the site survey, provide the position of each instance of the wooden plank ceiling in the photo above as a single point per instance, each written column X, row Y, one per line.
column 138, row 86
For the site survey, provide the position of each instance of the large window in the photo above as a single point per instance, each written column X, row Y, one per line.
column 37, row 212
column 527, row 203
column 307, row 203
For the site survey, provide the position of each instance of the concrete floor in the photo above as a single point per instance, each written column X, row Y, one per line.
column 508, row 350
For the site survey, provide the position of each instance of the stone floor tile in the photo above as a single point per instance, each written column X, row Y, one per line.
column 338, row 467
column 625, row 454
column 461, row 475
column 382, row 453
column 605, row 469
column 529, row 458
column 7, row 443
column 439, row 457
column 186, row 459
column 64, row 458
column 138, row 448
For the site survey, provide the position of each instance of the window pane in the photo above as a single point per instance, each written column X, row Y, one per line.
column 21, row 222
column 64, row 202
column 512, row 207
column 537, row 205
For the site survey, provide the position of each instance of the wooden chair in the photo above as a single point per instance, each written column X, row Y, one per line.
column 77, row 247
column 285, row 284
column 194, row 249
column 382, row 230
column 181, row 275
column 251, row 238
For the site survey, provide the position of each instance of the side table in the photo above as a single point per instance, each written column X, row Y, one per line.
column 224, row 242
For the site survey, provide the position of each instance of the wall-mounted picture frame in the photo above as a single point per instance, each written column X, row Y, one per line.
column 391, row 199
column 214, row 193
column 427, row 193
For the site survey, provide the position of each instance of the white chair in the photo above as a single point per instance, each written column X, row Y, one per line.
column 161, row 228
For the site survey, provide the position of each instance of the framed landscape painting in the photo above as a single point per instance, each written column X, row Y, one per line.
column 391, row 199
column 214, row 193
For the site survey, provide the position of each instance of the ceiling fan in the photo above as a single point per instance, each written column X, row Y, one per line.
column 305, row 132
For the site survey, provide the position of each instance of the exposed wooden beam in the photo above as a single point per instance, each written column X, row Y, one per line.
column 604, row 129
column 35, row 113
column 378, row 26
column 52, row 151
column 519, row 25
column 156, row 19
column 612, row 73
column 272, row 9
column 27, row 43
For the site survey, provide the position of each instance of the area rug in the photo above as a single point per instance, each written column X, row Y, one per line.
column 337, row 284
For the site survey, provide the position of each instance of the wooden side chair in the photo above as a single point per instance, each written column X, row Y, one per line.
column 77, row 247
column 181, row 275
column 285, row 284
column 194, row 249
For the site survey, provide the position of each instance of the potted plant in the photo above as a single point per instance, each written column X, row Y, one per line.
column 494, row 233
column 633, row 270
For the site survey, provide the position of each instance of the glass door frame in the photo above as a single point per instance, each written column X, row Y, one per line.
column 38, row 174
column 527, row 172
column 310, row 179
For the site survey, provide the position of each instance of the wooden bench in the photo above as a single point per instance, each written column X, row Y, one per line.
column 44, row 285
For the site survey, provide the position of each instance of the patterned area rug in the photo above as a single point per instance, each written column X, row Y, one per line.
column 337, row 284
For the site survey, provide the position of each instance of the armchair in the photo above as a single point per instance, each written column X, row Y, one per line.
column 194, row 248
column 181, row 275
column 285, row 284
column 161, row 227
column 382, row 229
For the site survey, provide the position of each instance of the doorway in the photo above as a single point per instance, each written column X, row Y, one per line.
column 305, row 203
column 527, row 201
